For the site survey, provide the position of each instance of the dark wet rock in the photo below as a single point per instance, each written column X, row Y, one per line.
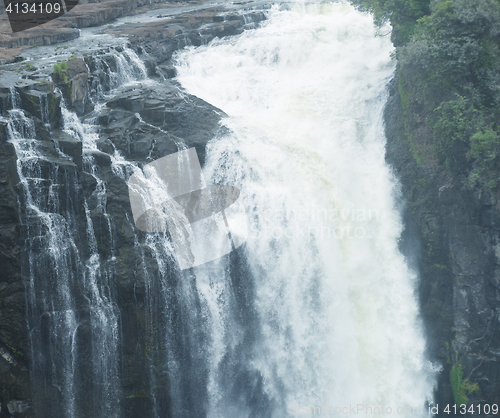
column 41, row 130
column 38, row 97
column 89, row 183
column 142, row 122
column 42, row 105
column 161, row 39
column 19, row 408
column 78, row 76
column 3, row 129
column 100, row 158
column 14, row 376
column 167, row 71
column 72, row 79
column 70, row 146
column 146, row 122
column 452, row 239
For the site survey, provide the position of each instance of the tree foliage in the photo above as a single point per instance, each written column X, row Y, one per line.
column 485, row 149
column 402, row 14
column 455, row 121
column 456, row 50
column 449, row 73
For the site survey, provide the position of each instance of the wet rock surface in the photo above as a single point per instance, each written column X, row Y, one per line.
column 14, row 376
column 72, row 80
column 142, row 121
column 161, row 39
column 452, row 239
column 147, row 122
column 65, row 28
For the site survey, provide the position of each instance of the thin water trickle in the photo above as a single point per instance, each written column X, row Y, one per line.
column 75, row 339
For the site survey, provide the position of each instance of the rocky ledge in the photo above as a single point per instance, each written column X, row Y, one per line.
column 143, row 121
column 160, row 39
column 86, row 13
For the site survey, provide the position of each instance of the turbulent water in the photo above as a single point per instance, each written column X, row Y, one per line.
column 335, row 313
column 315, row 313
column 72, row 318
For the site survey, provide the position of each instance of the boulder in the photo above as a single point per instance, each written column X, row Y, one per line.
column 43, row 105
column 72, row 78
column 70, row 146
column 167, row 116
column 19, row 408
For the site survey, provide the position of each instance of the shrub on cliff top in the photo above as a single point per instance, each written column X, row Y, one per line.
column 456, row 50
column 451, row 70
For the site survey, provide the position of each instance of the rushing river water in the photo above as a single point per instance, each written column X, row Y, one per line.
column 318, row 308
column 335, row 309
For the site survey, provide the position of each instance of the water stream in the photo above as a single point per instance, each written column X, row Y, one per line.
column 316, row 310
column 334, row 313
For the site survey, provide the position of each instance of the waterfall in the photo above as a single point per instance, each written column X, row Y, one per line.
column 51, row 261
column 73, row 319
column 329, row 317
column 316, row 311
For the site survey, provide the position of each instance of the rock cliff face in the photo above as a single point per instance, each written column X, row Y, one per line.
column 143, row 122
column 14, row 377
column 452, row 238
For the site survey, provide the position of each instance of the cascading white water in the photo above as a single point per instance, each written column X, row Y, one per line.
column 335, row 317
column 50, row 298
column 74, row 344
column 316, row 310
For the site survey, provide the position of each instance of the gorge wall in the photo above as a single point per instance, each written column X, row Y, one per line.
column 451, row 237
column 443, row 102
column 81, row 190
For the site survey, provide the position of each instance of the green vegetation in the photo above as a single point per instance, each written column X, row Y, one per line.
column 455, row 121
column 485, row 149
column 403, row 93
column 59, row 68
column 448, row 54
column 461, row 387
column 403, row 15
column 17, row 353
column 139, row 394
